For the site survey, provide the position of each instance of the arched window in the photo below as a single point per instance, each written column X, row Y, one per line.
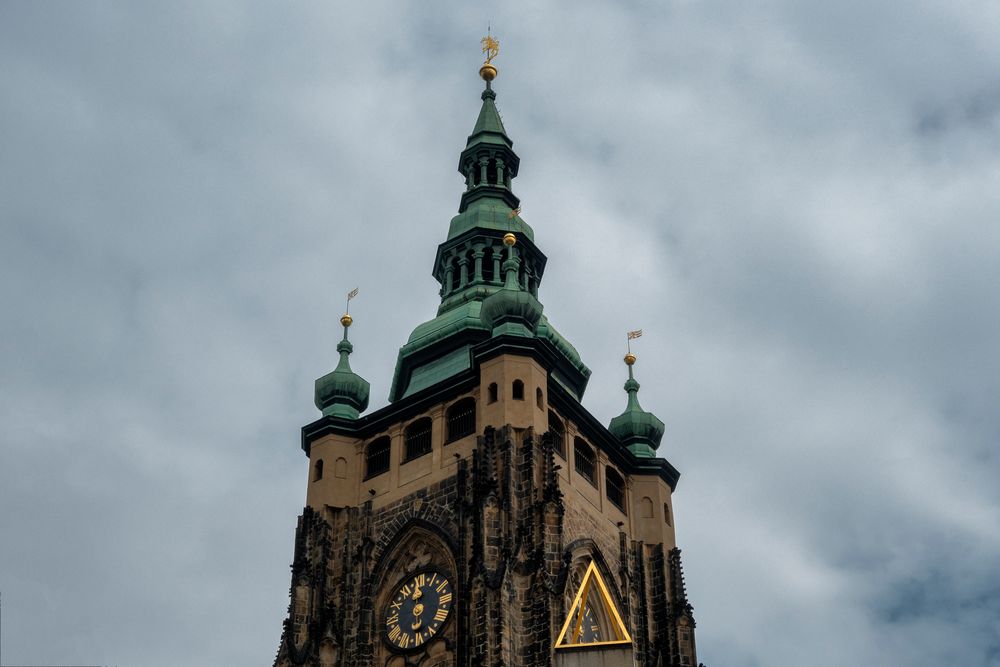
column 377, row 456
column 318, row 470
column 418, row 438
column 615, row 487
column 488, row 265
column 583, row 460
column 517, row 391
column 340, row 468
column 493, row 392
column 461, row 419
column 470, row 267
column 539, row 398
column 455, row 275
column 666, row 514
column 558, row 431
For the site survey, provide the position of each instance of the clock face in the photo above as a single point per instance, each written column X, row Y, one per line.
column 590, row 630
column 417, row 610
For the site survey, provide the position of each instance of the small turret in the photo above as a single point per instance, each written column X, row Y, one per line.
column 511, row 310
column 342, row 392
column 637, row 429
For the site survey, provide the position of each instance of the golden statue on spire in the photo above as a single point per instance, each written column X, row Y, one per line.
column 491, row 47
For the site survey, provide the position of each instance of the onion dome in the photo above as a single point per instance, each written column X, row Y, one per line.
column 638, row 430
column 342, row 392
column 511, row 310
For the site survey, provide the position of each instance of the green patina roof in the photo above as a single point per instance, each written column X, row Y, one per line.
column 489, row 127
column 492, row 214
column 637, row 429
column 342, row 392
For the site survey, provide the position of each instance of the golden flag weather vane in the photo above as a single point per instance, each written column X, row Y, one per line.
column 632, row 335
column 350, row 295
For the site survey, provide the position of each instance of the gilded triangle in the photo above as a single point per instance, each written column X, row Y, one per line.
column 593, row 618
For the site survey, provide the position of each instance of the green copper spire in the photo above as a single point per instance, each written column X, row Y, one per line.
column 342, row 392
column 489, row 127
column 637, row 429
column 488, row 288
column 489, row 165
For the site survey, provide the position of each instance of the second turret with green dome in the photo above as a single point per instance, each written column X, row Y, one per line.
column 342, row 392
column 638, row 430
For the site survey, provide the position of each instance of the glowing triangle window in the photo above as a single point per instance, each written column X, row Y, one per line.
column 593, row 619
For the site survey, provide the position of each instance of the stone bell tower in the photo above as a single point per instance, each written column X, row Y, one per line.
column 484, row 516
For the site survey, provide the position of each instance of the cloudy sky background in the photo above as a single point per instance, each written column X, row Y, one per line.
column 798, row 202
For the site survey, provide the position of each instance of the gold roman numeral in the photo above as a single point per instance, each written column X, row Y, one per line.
column 395, row 633
column 445, row 599
column 441, row 615
column 443, row 585
column 420, row 581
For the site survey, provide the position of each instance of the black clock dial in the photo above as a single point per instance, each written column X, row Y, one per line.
column 417, row 610
column 590, row 630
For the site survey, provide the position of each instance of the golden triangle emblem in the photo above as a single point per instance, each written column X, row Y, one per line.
column 593, row 618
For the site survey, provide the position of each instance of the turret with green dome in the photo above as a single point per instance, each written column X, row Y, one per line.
column 637, row 429
column 342, row 392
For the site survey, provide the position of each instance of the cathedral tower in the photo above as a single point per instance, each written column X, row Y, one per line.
column 484, row 516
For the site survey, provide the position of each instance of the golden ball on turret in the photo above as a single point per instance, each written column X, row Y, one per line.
column 488, row 72
column 509, row 239
column 346, row 320
column 629, row 359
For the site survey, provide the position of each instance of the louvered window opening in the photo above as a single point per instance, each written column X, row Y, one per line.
column 583, row 460
column 377, row 458
column 462, row 420
column 558, row 432
column 615, row 488
column 418, row 439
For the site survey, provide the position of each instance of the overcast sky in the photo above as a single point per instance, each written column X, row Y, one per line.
column 799, row 202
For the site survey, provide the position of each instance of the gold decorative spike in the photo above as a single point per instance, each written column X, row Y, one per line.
column 582, row 611
column 514, row 213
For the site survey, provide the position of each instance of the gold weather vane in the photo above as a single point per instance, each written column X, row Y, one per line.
column 491, row 47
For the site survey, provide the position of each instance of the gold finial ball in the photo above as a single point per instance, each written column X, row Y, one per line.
column 509, row 239
column 346, row 320
column 488, row 72
column 629, row 359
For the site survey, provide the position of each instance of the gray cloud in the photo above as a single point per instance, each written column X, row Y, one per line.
column 797, row 202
